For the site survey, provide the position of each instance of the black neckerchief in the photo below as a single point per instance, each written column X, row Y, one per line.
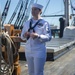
column 32, row 28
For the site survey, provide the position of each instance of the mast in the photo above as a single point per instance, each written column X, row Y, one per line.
column 0, row 20
column 67, row 12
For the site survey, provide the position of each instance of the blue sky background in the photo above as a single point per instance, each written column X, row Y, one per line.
column 54, row 7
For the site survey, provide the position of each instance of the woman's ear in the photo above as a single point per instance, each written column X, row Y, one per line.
column 40, row 13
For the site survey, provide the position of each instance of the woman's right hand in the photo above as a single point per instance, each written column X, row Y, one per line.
column 27, row 34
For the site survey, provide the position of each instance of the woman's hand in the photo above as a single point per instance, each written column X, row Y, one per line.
column 27, row 34
column 34, row 35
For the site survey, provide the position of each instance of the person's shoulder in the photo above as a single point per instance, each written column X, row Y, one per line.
column 44, row 21
column 26, row 22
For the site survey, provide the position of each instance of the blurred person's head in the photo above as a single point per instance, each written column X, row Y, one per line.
column 36, row 10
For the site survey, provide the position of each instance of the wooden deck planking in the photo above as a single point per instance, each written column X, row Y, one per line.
column 55, row 43
column 55, row 48
column 65, row 65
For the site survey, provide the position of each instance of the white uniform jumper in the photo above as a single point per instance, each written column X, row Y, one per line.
column 35, row 49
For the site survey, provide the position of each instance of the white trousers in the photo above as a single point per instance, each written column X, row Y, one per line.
column 35, row 65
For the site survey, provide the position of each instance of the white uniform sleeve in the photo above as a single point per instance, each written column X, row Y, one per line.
column 46, row 36
column 23, row 31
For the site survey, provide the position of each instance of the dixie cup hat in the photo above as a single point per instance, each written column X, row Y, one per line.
column 37, row 6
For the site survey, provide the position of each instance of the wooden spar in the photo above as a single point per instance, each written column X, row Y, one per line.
column 52, row 15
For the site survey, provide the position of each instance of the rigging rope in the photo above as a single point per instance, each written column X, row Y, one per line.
column 15, row 12
column 21, row 14
column 45, row 7
column 5, row 11
column 36, row 1
column 26, row 16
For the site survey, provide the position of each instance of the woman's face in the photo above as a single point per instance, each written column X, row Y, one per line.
column 35, row 12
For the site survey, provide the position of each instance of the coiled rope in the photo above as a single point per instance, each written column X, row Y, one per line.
column 7, row 65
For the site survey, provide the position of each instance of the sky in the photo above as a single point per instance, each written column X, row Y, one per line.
column 54, row 7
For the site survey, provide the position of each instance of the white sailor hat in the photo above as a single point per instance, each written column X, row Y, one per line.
column 37, row 6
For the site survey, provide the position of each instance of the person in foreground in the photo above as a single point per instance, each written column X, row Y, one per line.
column 37, row 32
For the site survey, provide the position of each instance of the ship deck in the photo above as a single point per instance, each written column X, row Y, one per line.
column 65, row 65
column 55, row 48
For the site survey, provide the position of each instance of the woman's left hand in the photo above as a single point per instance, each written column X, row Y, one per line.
column 34, row 35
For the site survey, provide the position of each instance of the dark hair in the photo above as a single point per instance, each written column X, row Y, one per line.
column 40, row 10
